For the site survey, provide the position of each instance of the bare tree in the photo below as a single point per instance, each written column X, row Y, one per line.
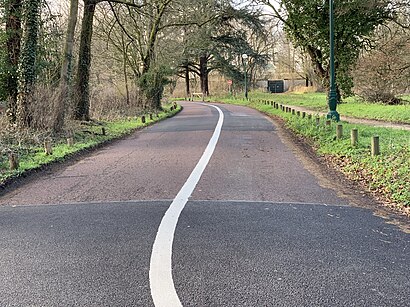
column 82, row 87
column 66, row 68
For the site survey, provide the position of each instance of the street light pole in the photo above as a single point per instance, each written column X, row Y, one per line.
column 245, row 62
column 332, row 93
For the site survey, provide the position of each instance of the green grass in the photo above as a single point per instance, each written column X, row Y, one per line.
column 387, row 174
column 353, row 106
column 85, row 137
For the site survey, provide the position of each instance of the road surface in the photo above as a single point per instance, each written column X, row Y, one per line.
column 213, row 207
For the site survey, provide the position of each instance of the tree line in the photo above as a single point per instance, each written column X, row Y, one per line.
column 147, row 42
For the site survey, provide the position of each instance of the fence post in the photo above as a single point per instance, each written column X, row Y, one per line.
column 70, row 141
column 48, row 149
column 13, row 161
column 339, row 131
column 375, row 146
column 354, row 136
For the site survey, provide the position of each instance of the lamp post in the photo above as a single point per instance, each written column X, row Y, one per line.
column 245, row 62
column 332, row 93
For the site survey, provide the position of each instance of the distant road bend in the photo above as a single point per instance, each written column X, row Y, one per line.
column 213, row 207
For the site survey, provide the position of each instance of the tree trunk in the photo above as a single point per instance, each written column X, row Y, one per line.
column 124, row 67
column 13, row 30
column 187, row 85
column 203, row 74
column 66, row 69
column 26, row 69
column 82, row 98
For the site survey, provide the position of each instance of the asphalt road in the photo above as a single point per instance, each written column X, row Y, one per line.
column 261, row 228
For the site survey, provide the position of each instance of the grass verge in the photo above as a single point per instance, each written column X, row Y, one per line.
column 385, row 175
column 86, row 136
column 353, row 106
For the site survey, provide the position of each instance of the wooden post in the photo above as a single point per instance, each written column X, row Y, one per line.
column 328, row 122
column 298, row 113
column 143, row 118
column 48, row 149
column 354, row 137
column 317, row 121
column 309, row 116
column 293, row 112
column 303, row 114
column 70, row 141
column 13, row 161
column 339, row 131
column 150, row 116
column 375, row 146
column 103, row 131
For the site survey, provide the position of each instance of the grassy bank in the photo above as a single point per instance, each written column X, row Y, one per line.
column 30, row 150
column 353, row 106
column 387, row 175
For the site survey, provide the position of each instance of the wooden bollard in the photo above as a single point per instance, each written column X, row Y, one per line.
column 70, row 141
column 354, row 137
column 103, row 132
column 271, row 103
column 375, row 146
column 339, row 131
column 309, row 116
column 303, row 114
column 143, row 118
column 293, row 112
column 13, row 161
column 298, row 113
column 48, row 149
column 317, row 121
column 328, row 122
column 150, row 116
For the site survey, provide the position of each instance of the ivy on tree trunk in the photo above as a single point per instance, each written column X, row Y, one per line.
column 26, row 67
column 13, row 30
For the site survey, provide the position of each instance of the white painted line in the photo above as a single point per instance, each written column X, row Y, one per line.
column 160, row 274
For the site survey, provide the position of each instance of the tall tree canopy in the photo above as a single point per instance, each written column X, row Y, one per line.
column 307, row 24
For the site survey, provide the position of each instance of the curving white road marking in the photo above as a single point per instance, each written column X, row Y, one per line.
column 160, row 274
